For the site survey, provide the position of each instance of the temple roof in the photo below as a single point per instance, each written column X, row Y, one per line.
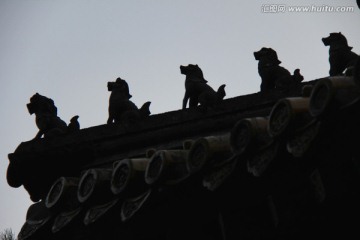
column 272, row 164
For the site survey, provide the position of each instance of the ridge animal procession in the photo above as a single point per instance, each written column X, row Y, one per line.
column 198, row 93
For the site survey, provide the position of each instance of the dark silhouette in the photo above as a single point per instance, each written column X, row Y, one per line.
column 136, row 115
column 272, row 75
column 120, row 84
column 121, row 109
column 74, row 124
column 341, row 57
column 197, row 91
column 47, row 121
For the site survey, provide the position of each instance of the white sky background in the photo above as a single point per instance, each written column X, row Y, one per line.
column 69, row 49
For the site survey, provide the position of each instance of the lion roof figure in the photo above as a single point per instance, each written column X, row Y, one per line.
column 340, row 55
column 272, row 75
column 197, row 90
column 46, row 118
column 121, row 109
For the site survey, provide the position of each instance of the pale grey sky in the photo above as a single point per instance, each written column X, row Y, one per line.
column 69, row 49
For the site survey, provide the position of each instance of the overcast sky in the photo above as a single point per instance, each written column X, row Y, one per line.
column 69, row 49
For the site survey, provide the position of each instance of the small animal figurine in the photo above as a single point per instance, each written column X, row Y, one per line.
column 46, row 118
column 121, row 109
column 341, row 58
column 274, row 76
column 197, row 91
column 74, row 124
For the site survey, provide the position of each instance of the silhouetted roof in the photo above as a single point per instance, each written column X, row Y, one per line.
column 261, row 166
